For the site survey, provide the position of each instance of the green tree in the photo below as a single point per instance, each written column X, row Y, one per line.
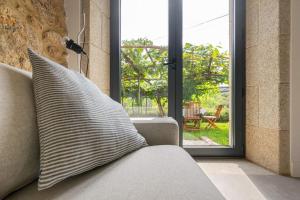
column 205, row 68
column 143, row 72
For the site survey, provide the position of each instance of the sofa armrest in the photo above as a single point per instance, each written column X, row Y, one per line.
column 158, row 131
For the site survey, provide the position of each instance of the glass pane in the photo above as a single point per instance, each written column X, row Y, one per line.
column 206, row 69
column 144, row 50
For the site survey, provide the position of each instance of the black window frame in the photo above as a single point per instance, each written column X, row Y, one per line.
column 175, row 75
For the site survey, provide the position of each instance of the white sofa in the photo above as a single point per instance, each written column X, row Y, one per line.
column 161, row 171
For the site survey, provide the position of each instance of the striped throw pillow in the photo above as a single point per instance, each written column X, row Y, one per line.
column 80, row 127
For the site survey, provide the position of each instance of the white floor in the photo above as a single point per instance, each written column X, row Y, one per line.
column 238, row 179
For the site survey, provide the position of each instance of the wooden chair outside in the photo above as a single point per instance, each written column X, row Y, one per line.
column 212, row 119
column 191, row 116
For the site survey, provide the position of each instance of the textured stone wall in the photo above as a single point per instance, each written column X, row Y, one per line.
column 39, row 24
column 267, row 84
column 97, row 42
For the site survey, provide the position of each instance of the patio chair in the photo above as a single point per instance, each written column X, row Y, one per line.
column 212, row 119
column 191, row 116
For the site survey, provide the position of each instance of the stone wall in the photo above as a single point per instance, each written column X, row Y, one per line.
column 97, row 42
column 267, row 84
column 39, row 24
column 294, row 88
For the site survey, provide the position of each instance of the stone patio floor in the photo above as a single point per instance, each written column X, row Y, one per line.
column 203, row 141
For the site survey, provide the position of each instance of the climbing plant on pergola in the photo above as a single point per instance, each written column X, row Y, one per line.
column 144, row 74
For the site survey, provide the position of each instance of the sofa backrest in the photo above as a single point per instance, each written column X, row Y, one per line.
column 19, row 144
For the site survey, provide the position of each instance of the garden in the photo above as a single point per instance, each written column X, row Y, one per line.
column 144, row 84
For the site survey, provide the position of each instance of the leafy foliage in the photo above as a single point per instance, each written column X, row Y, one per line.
column 144, row 74
column 205, row 68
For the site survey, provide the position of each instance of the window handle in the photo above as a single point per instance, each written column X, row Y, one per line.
column 171, row 64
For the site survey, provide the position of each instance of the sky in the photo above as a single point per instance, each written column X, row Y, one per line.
column 204, row 21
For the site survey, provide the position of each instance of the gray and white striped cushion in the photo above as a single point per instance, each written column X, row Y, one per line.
column 80, row 128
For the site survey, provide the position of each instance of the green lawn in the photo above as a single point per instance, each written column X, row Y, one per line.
column 218, row 135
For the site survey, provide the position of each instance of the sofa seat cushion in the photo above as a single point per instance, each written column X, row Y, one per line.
column 154, row 173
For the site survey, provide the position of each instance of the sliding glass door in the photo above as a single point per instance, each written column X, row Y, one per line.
column 183, row 59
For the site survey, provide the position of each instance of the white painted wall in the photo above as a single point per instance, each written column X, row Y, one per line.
column 295, row 89
column 73, row 20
